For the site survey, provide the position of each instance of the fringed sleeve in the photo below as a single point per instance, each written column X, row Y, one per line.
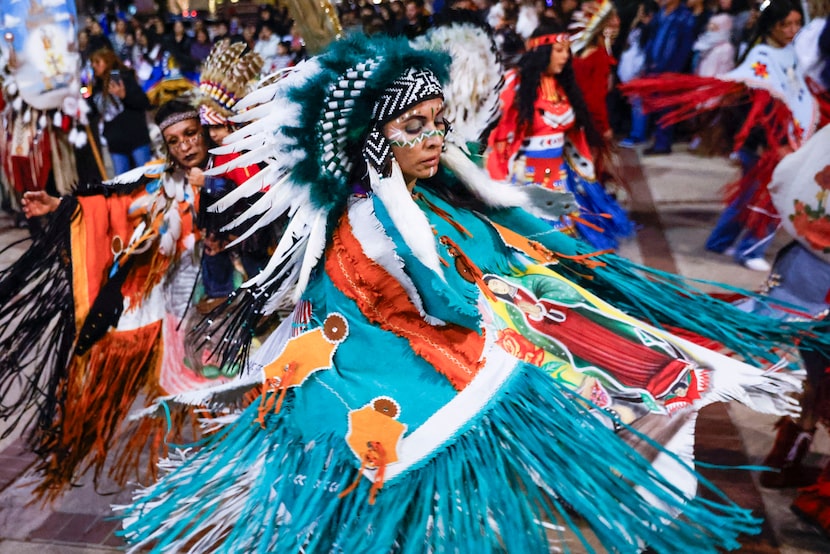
column 37, row 318
column 679, row 97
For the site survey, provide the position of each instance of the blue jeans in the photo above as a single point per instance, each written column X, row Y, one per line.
column 663, row 136
column 730, row 230
column 639, row 122
column 122, row 163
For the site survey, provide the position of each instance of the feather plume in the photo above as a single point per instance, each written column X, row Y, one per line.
column 471, row 97
column 228, row 75
column 587, row 22
column 153, row 169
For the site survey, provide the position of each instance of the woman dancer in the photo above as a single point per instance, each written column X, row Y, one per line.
column 390, row 417
column 544, row 137
column 782, row 113
column 93, row 312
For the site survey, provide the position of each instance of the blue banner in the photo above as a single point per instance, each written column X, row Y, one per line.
column 40, row 40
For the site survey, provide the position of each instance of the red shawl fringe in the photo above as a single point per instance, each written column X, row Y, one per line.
column 679, row 97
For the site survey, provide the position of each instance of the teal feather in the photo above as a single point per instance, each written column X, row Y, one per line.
column 392, row 56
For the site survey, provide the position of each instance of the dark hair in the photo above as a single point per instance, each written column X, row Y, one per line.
column 651, row 7
column 531, row 67
column 173, row 107
column 773, row 12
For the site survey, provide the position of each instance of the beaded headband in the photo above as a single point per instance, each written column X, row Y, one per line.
column 411, row 88
column 544, row 40
column 172, row 119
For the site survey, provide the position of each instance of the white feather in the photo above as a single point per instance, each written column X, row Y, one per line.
column 471, row 98
column 380, row 248
column 272, row 212
column 408, row 218
column 294, row 237
column 151, row 169
column 313, row 252
column 250, row 187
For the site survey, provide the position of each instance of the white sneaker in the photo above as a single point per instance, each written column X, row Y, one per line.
column 731, row 251
column 757, row 264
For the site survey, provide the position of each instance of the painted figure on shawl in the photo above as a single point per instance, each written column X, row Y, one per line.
column 95, row 310
column 621, row 364
column 544, row 137
column 387, row 407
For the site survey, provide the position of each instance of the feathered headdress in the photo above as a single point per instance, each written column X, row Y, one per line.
column 315, row 131
column 227, row 75
column 588, row 21
column 471, row 98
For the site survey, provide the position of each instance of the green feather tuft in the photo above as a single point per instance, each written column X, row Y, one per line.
column 393, row 56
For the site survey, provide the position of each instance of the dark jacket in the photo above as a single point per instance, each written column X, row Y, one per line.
column 125, row 121
column 670, row 41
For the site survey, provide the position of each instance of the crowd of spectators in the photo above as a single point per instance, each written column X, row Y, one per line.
column 144, row 42
column 705, row 37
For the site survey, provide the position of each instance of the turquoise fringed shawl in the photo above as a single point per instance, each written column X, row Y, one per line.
column 531, row 453
column 534, row 454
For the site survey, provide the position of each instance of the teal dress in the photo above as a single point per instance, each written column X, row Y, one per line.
column 393, row 419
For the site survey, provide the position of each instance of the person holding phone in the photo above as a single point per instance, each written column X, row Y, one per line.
column 118, row 99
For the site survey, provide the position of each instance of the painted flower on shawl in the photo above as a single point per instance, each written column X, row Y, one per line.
column 823, row 178
column 813, row 225
column 760, row 70
column 518, row 346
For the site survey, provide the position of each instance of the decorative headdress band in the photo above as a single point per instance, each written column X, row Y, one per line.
column 210, row 117
column 544, row 40
column 172, row 119
column 411, row 88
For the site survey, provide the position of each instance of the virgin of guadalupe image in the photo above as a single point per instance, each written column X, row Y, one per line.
column 609, row 359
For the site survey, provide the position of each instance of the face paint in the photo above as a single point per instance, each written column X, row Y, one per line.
column 409, row 130
column 417, row 138
column 398, row 138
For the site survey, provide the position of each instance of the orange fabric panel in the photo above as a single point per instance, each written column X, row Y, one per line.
column 91, row 252
column 453, row 350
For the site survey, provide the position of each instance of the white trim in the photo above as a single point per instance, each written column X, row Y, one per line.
column 451, row 418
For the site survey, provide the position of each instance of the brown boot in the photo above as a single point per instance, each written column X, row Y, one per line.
column 791, row 445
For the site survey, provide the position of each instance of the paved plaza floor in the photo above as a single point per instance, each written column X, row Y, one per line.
column 675, row 201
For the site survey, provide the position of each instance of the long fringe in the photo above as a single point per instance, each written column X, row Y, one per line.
column 681, row 97
column 99, row 390
column 666, row 299
column 534, row 455
column 37, row 328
